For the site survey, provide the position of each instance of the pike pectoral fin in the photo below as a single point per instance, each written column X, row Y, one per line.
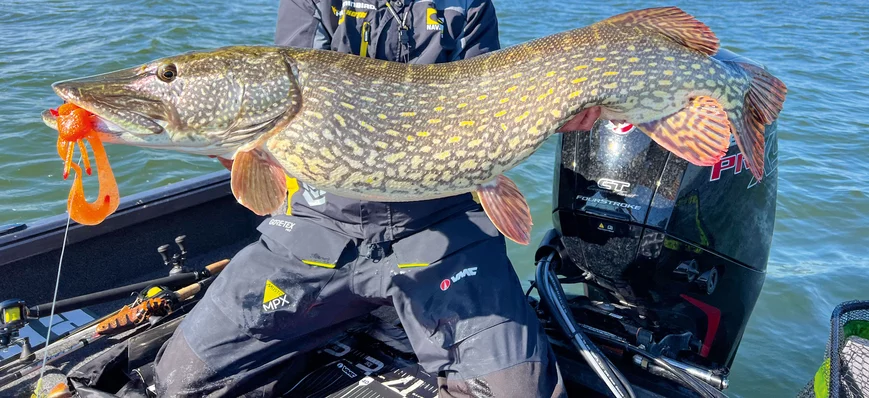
column 583, row 121
column 506, row 207
column 699, row 133
column 224, row 161
column 258, row 181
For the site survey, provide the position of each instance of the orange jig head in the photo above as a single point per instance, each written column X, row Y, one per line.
column 74, row 125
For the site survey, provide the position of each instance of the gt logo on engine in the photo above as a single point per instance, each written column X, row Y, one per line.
column 613, row 185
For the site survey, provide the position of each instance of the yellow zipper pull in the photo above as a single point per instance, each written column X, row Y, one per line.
column 366, row 38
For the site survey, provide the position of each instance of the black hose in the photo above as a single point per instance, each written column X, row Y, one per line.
column 551, row 293
column 683, row 377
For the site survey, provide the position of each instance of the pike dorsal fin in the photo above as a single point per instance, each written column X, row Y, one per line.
column 673, row 23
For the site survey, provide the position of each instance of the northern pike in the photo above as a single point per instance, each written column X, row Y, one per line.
column 377, row 130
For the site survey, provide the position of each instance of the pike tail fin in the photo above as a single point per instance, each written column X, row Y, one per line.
column 763, row 103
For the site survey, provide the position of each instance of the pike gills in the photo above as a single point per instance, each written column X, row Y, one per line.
column 385, row 131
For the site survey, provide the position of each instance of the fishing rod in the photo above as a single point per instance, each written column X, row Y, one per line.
column 100, row 328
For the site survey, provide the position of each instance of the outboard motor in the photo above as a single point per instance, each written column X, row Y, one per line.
column 673, row 255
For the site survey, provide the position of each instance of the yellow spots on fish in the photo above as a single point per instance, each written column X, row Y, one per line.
column 669, row 59
column 668, row 72
column 599, row 59
column 653, row 64
column 517, row 75
column 660, row 94
column 393, row 133
column 512, row 89
column 689, row 85
column 611, row 73
column 500, row 113
column 408, row 114
column 712, row 71
column 327, row 89
column 632, row 48
column 474, row 143
column 462, row 105
column 523, row 98
column 514, row 142
column 638, row 73
column 521, row 117
column 469, row 164
column 594, row 91
column 410, row 138
column 580, row 67
column 574, row 94
column 579, row 80
column 533, row 130
column 425, row 149
column 482, row 111
column 394, row 157
column 398, row 94
column 611, row 85
column 601, row 47
column 464, row 123
column 555, row 113
column 348, row 106
column 503, row 100
column 550, row 74
column 482, row 97
column 434, row 121
column 695, row 66
column 438, row 108
column 326, row 153
column 340, row 120
column 543, row 96
column 504, row 126
column 381, row 116
column 454, row 139
column 633, row 59
column 422, row 134
column 710, row 83
column 664, row 82
column 442, row 155
column 561, row 79
column 366, row 126
column 367, row 99
column 317, row 115
column 381, row 144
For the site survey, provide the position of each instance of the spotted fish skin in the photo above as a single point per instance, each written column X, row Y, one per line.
column 378, row 130
column 393, row 132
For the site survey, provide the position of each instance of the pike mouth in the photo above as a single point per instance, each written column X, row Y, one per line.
column 112, row 119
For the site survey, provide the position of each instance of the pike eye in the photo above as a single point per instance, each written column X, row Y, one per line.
column 167, row 72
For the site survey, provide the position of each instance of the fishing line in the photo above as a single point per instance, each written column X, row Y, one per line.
column 53, row 301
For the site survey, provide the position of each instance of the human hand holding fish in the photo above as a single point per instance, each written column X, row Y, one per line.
column 386, row 131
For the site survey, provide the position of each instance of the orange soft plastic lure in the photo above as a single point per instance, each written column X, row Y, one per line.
column 74, row 125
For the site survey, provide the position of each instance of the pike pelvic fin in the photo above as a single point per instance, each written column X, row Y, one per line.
column 673, row 23
column 258, row 181
column 506, row 207
column 763, row 102
column 699, row 133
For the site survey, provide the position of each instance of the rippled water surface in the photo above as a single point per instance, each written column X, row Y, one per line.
column 819, row 49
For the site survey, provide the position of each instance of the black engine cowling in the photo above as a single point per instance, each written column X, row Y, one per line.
column 680, row 248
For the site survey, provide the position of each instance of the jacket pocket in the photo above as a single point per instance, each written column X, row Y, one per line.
column 455, row 280
column 294, row 262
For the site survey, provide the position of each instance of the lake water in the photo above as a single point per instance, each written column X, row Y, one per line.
column 819, row 49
